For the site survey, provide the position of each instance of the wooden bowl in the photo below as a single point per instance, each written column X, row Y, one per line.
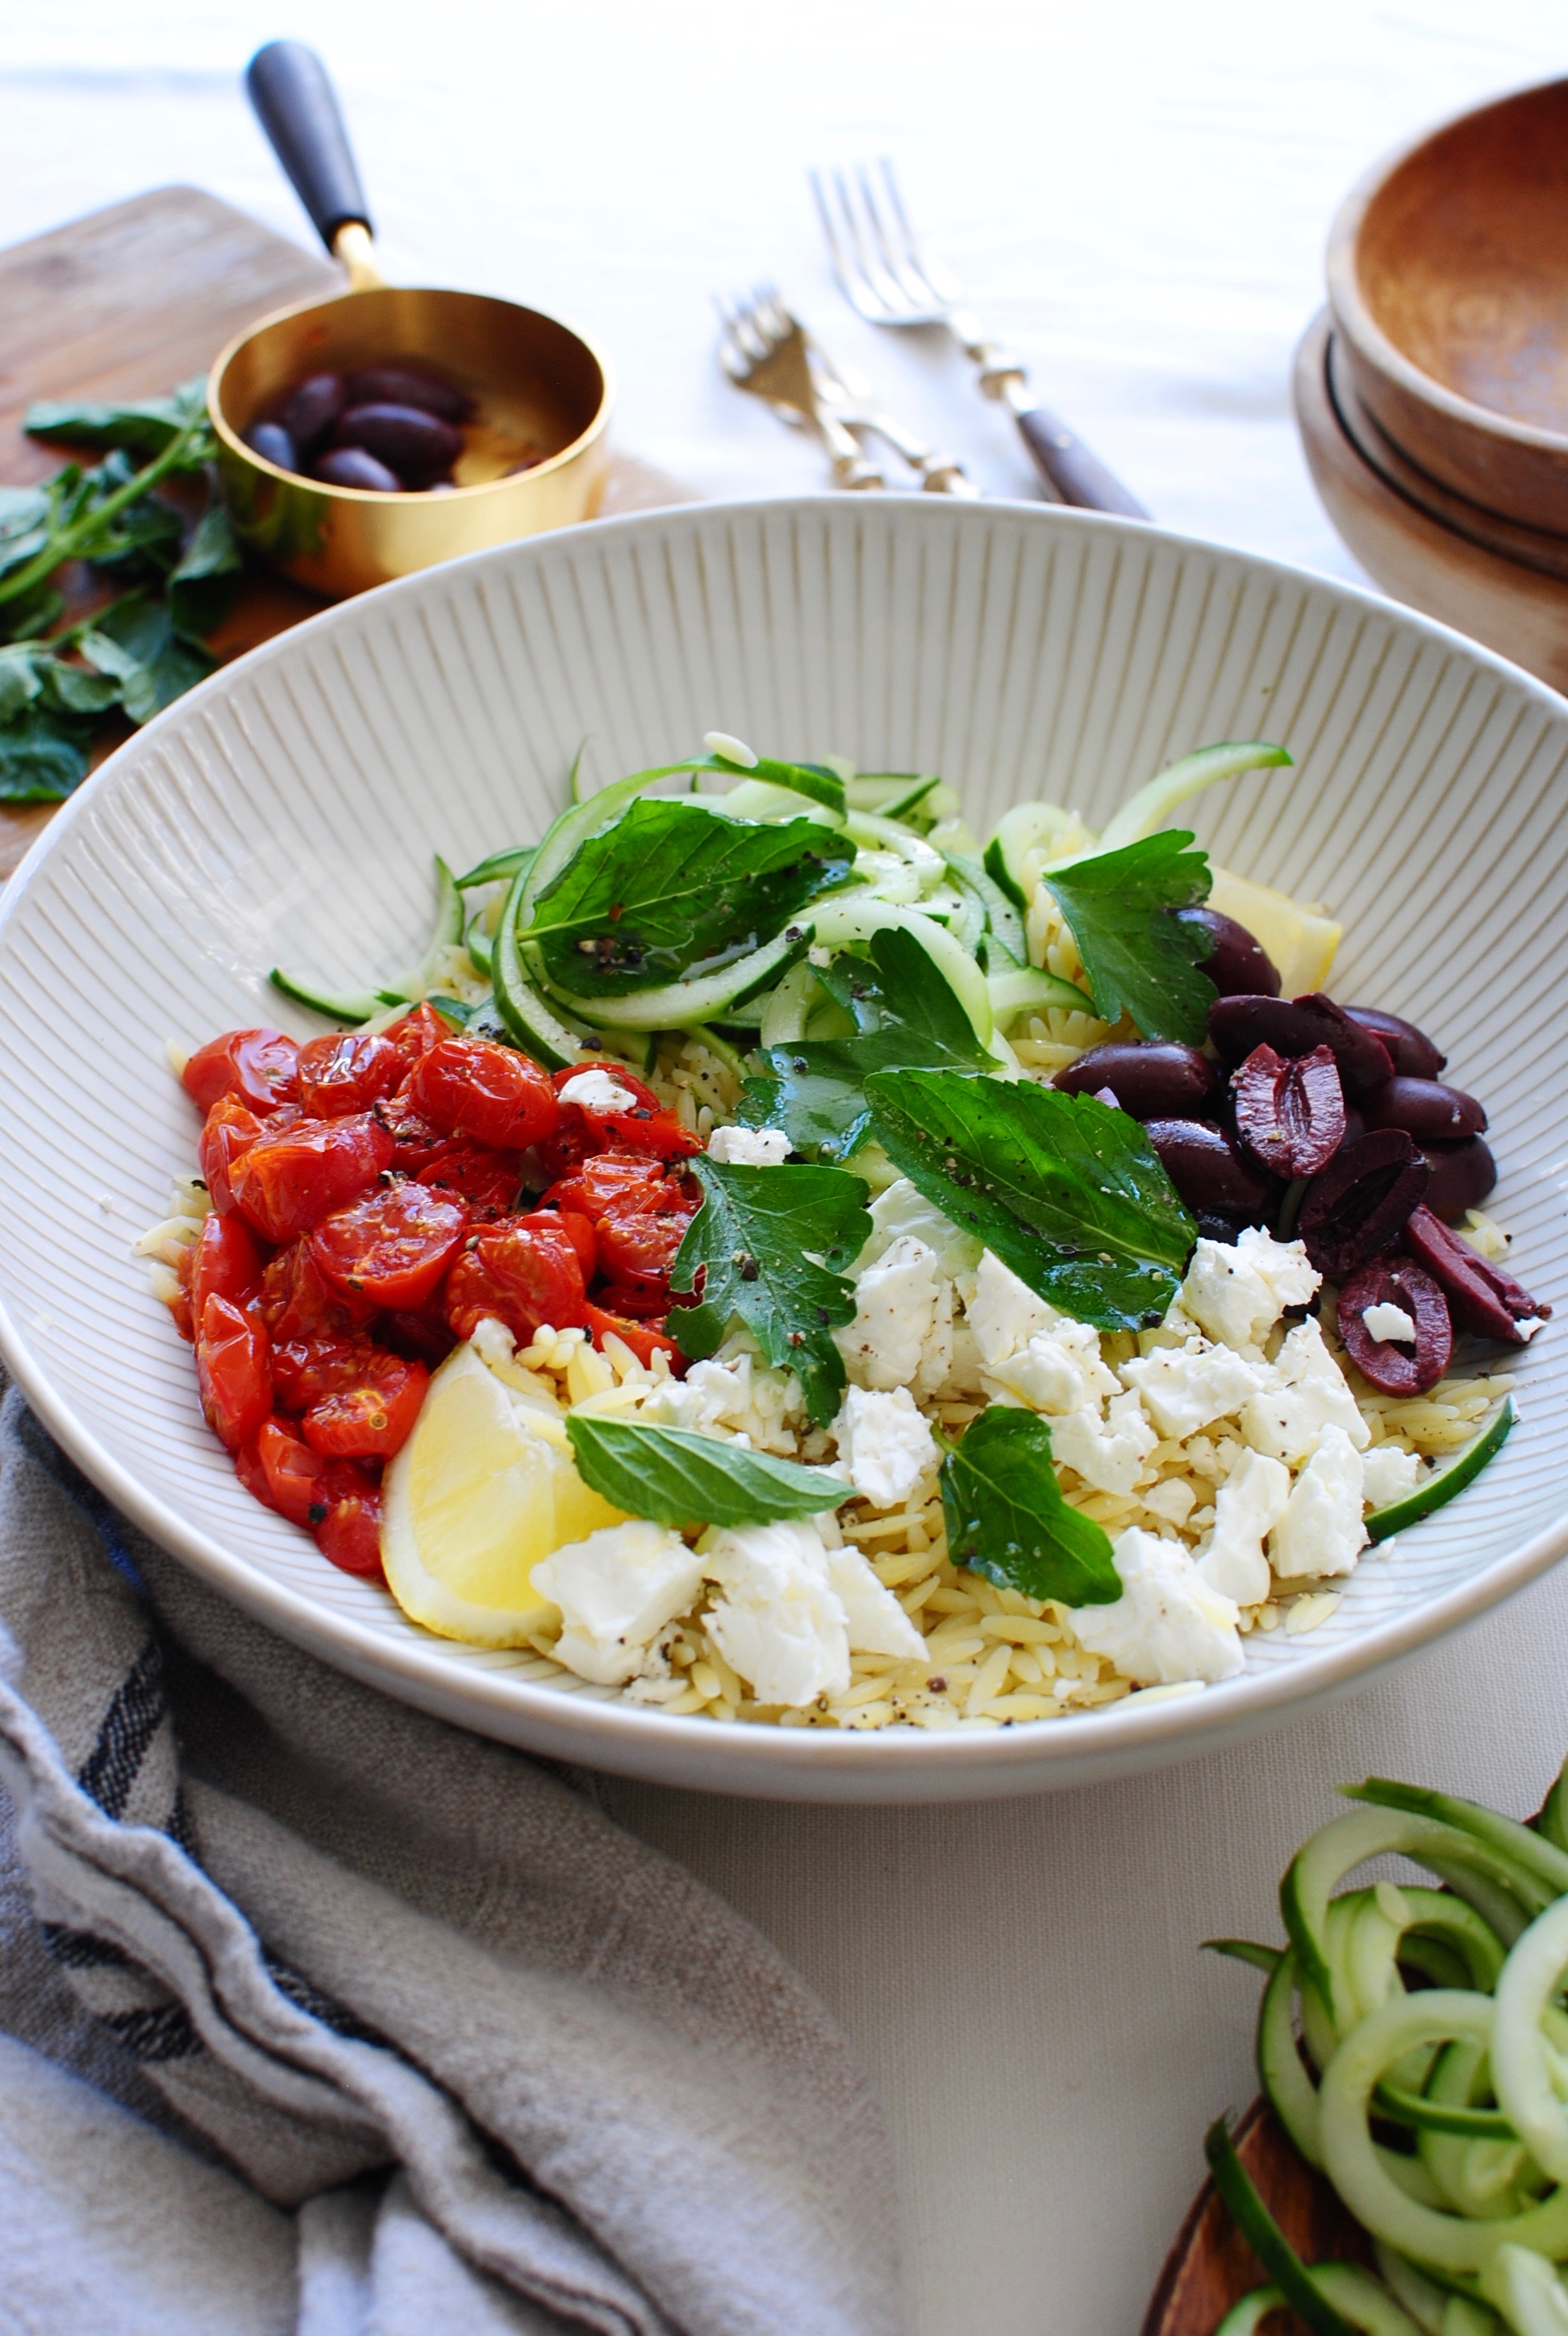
column 1449, row 279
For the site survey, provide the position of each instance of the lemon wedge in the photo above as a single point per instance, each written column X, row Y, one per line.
column 1300, row 937
column 482, row 1489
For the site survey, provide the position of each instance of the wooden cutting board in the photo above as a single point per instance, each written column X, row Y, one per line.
column 129, row 301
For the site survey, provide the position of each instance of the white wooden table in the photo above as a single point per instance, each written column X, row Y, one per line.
column 1138, row 196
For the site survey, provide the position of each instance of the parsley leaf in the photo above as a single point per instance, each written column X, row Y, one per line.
column 906, row 1018
column 1065, row 1189
column 754, row 1243
column 670, row 890
column 1137, row 959
column 679, row 1478
column 1006, row 1517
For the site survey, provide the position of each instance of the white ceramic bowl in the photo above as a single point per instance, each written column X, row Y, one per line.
column 286, row 811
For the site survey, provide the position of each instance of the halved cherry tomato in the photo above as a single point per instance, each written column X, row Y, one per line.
column 393, row 1245
column 233, row 1372
column 426, row 1335
column 604, row 1177
column 304, row 1369
column 373, row 1417
column 296, row 1300
column 293, row 1474
column 258, row 1067
column 486, row 1180
column 637, row 1240
column 524, row 1271
column 638, row 1305
column 228, row 1136
column 348, row 1071
column 415, row 1035
column 579, row 1233
column 349, row 1534
column 416, row 1145
column 641, row 1337
column 288, row 1180
column 248, row 1467
column 642, row 1126
column 225, row 1262
column 472, row 1087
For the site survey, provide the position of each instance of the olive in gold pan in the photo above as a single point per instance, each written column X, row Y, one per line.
column 534, row 398
column 417, row 445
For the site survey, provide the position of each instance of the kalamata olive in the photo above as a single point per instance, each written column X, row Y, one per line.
column 1153, row 1078
column 1410, row 1050
column 1353, row 1211
column 1213, row 1227
column 1462, row 1176
column 417, row 445
column 273, row 444
column 1428, row 1110
column 1290, row 1111
column 353, row 466
column 1355, row 1125
column 394, row 384
column 311, row 408
column 1397, row 1368
column 1481, row 1297
column 1237, row 965
column 1294, row 1026
column 1211, row 1175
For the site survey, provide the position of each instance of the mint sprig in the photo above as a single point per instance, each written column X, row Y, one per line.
column 1007, row 1519
column 679, row 1478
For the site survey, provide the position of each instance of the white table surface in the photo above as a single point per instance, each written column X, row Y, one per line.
column 1137, row 195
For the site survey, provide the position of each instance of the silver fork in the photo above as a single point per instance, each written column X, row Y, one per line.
column 850, row 395
column 888, row 278
column 764, row 349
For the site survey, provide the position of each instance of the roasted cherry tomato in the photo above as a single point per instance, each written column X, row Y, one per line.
column 649, row 1305
column 416, row 1145
column 373, row 1417
column 426, row 1335
column 417, row 1032
column 233, row 1372
column 638, row 1241
column 304, row 1369
column 258, row 1067
column 604, row 1177
column 228, row 1136
column 579, row 1233
column 641, row 1337
column 225, row 1262
column 486, row 1181
column 393, row 1245
column 295, row 1299
column 490, row 1094
column 349, row 1534
column 289, row 1180
column 347, row 1072
column 248, row 1467
column 641, row 1122
column 292, row 1473
column 524, row 1271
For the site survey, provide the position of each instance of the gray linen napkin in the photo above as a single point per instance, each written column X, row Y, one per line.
column 321, row 2015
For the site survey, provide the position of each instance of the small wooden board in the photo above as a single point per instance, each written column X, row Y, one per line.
column 129, row 301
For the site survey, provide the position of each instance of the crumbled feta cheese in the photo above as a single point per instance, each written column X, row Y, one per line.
column 1305, row 1394
column 778, row 1620
column 937, row 1354
column 895, row 1310
column 1320, row 1531
column 1385, row 1320
column 749, row 1147
column 598, row 1090
column 1249, row 1505
column 877, row 1623
column 1238, row 1292
column 1168, row 1624
column 1004, row 1313
column 1172, row 1498
column 729, row 1395
column 616, row 1590
column 1186, row 1387
column 885, row 1441
column 1388, row 1474
column 900, row 1208
column 1060, row 1369
column 1110, row 1457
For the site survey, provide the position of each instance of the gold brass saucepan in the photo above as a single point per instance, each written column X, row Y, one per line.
column 534, row 443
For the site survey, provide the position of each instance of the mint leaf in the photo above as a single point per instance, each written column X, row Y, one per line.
column 1006, row 1517
column 679, row 1478
column 145, row 426
column 749, row 1253
column 200, row 588
column 1138, row 960
column 670, row 890
column 135, row 642
column 1066, row 1191
column 906, row 1018
column 43, row 756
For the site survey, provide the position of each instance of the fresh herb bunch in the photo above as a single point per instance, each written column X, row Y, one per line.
column 168, row 583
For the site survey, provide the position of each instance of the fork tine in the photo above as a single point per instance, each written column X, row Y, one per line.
column 901, row 254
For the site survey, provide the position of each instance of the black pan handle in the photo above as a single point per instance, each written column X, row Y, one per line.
column 1078, row 477
column 298, row 107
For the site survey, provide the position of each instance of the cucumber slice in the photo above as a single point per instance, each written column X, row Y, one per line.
column 1440, row 1488
column 1017, row 833
column 842, row 921
column 1002, row 919
column 342, row 1006
column 479, row 944
column 533, row 1025
column 1026, row 987
column 676, row 1005
column 500, row 866
column 445, row 933
column 1153, row 804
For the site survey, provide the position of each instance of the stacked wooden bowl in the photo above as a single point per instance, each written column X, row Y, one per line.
column 1432, row 393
